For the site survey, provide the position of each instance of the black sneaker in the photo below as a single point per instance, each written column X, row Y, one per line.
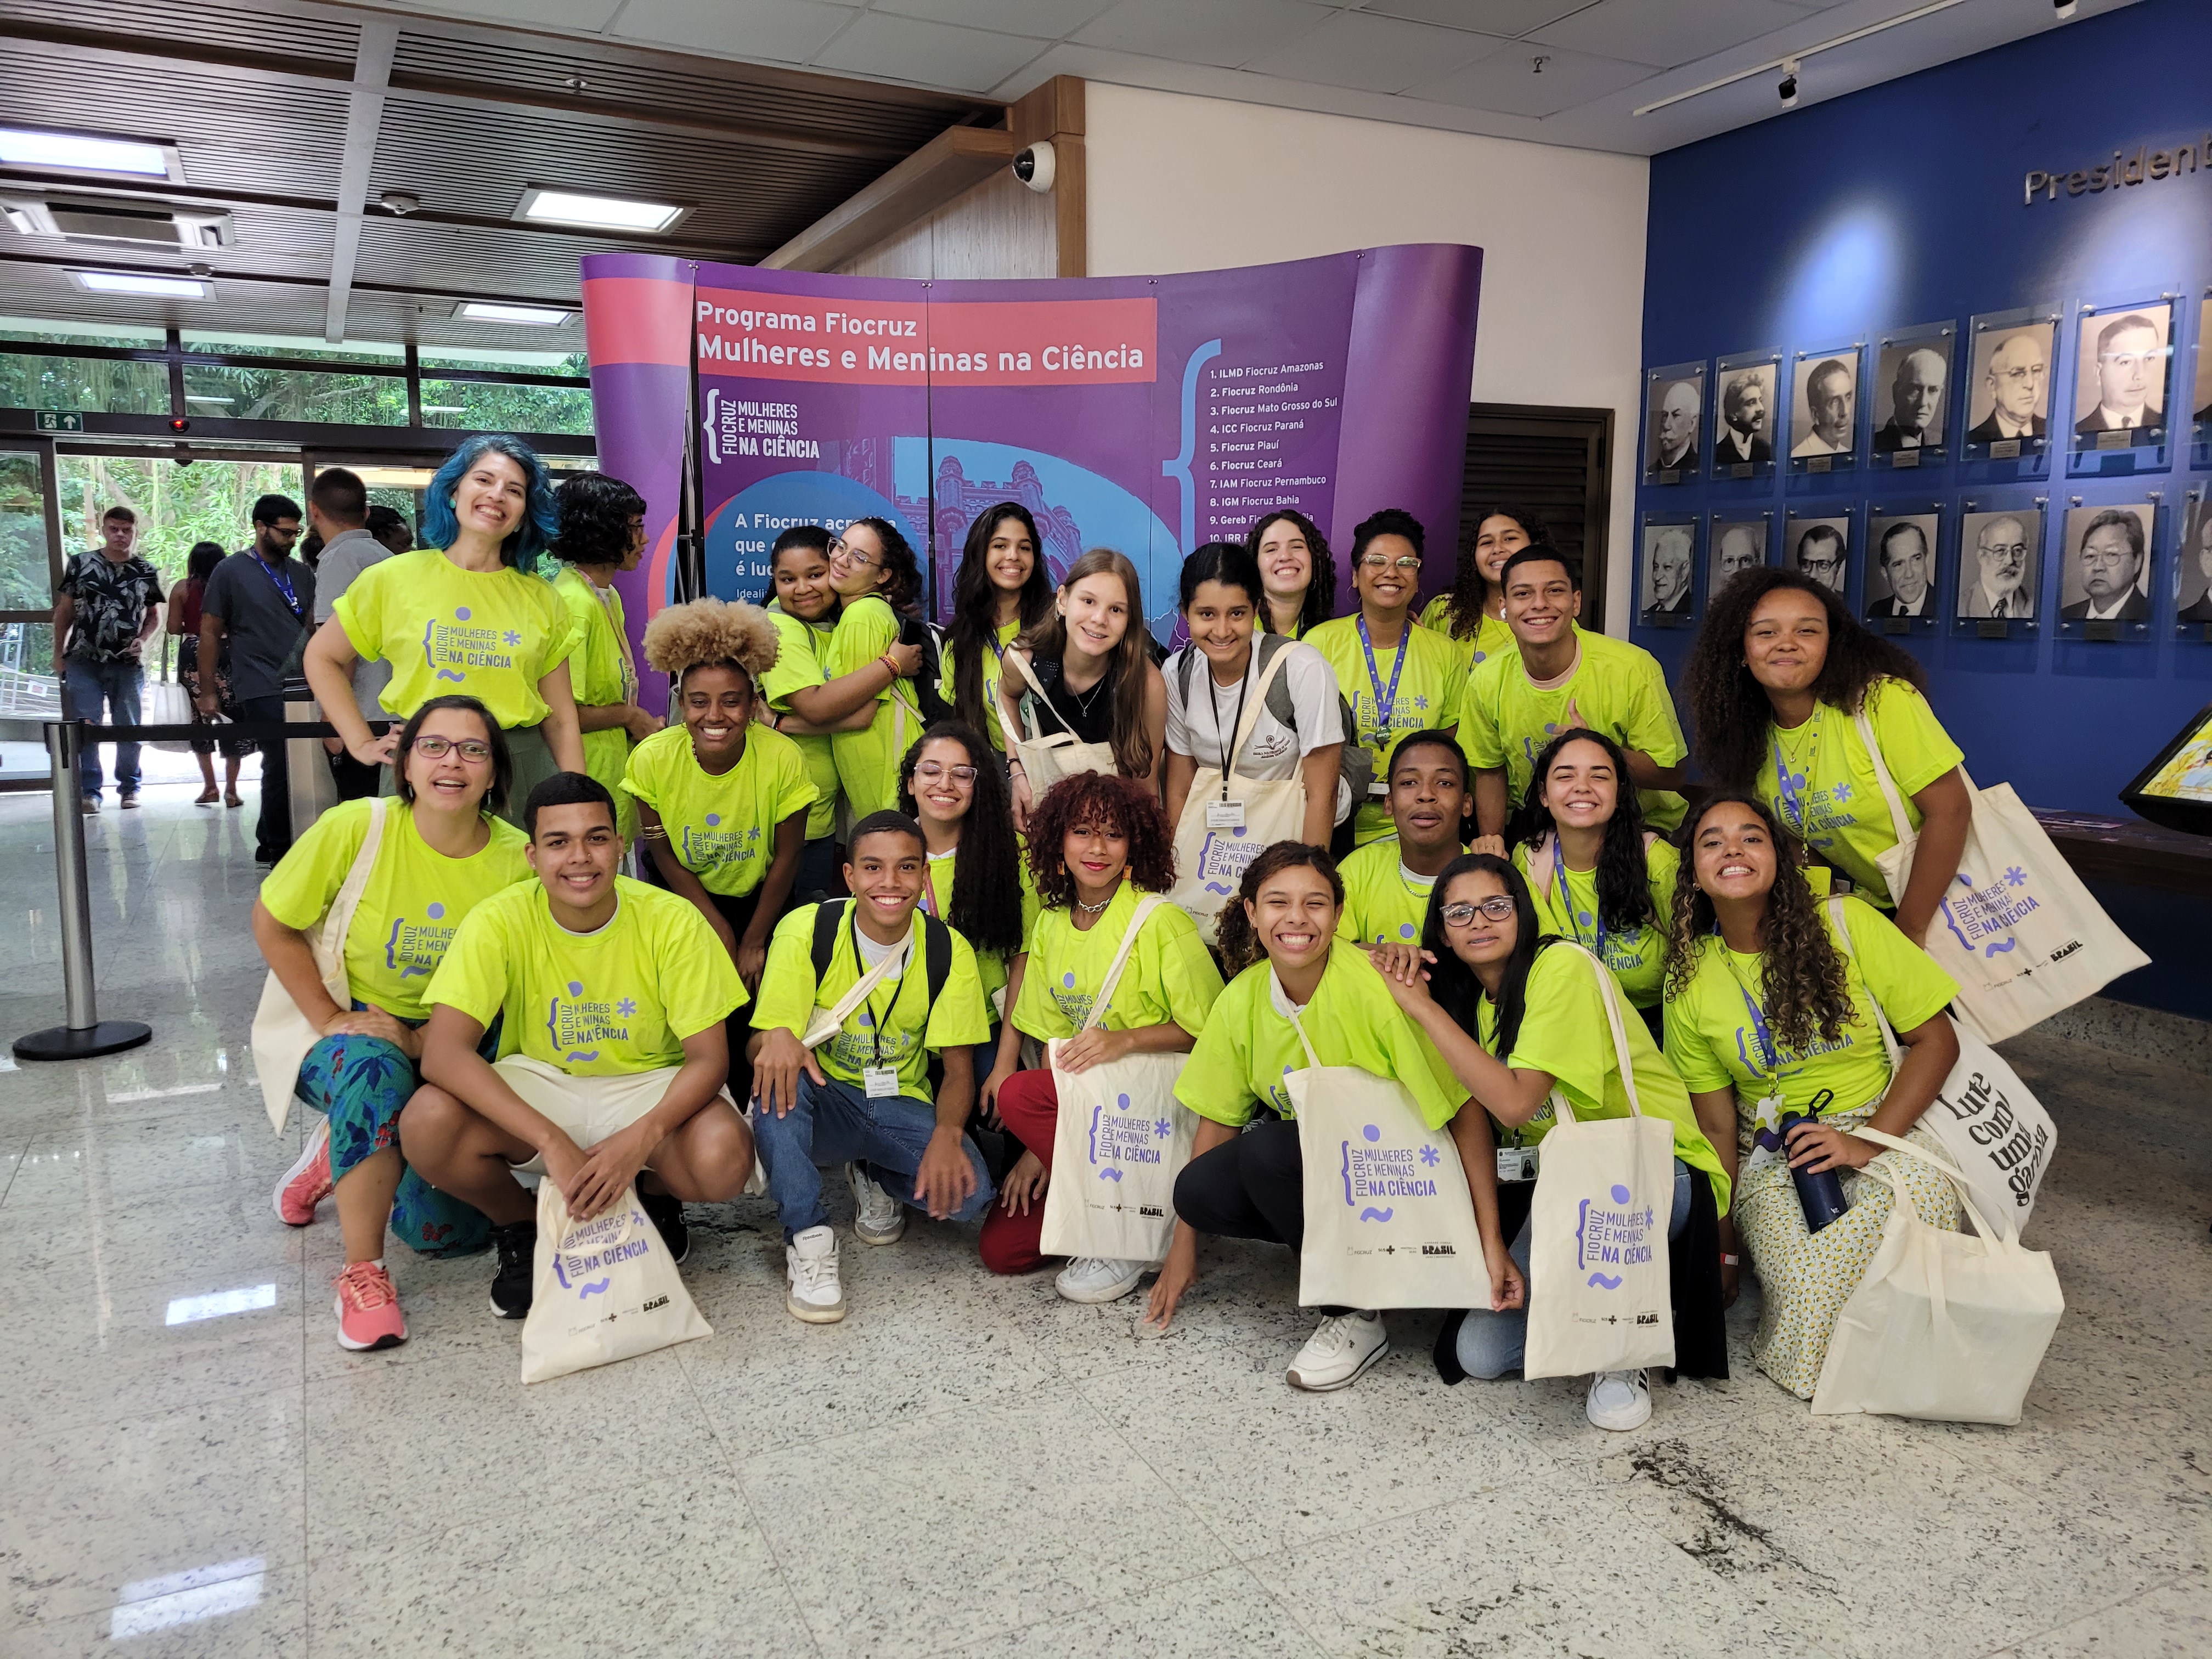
column 518, row 1261
column 665, row 1212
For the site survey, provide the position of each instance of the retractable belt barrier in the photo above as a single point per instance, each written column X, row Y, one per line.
column 83, row 1035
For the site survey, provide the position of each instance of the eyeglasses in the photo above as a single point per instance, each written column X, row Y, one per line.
column 475, row 750
column 842, row 549
column 935, row 769
column 1498, row 907
column 1381, row 562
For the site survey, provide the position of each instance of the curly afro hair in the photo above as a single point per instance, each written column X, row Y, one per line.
column 684, row 637
column 1088, row 798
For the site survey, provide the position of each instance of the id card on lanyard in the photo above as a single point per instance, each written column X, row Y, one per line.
column 877, row 1080
column 1386, row 702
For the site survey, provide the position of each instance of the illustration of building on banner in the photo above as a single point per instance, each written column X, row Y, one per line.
column 958, row 503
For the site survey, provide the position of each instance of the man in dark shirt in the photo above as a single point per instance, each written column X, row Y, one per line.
column 262, row 599
column 108, row 601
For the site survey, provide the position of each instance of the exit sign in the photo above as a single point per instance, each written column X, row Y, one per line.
column 60, row 420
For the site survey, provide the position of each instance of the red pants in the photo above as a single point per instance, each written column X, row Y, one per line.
column 1030, row 1106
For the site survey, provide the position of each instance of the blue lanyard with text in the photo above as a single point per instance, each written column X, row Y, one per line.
column 1385, row 701
column 1769, row 1050
column 284, row 583
column 1567, row 899
column 1793, row 804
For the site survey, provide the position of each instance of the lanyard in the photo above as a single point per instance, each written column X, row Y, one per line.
column 1385, row 701
column 859, row 962
column 1228, row 734
column 1793, row 803
column 1567, row 899
column 284, row 583
column 1770, row 1051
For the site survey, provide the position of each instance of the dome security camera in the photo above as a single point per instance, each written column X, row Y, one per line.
column 1034, row 167
column 2063, row 7
column 1789, row 87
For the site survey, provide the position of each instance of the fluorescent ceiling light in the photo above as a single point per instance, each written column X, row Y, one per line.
column 84, row 152
column 486, row 311
column 141, row 281
column 569, row 207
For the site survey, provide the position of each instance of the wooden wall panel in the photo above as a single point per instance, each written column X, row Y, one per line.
column 996, row 228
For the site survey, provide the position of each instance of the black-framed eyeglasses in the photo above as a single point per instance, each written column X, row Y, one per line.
column 1498, row 907
column 473, row 750
column 935, row 769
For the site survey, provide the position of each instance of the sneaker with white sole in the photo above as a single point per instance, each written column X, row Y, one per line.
column 810, row 1269
column 308, row 1182
column 1620, row 1401
column 1098, row 1279
column 368, row 1309
column 1334, row 1357
column 878, row 1217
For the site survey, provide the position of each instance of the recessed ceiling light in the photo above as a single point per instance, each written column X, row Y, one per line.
column 141, row 281
column 569, row 207
column 487, row 311
column 86, row 151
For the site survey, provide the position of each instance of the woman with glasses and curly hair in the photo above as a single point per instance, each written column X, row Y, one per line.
column 1778, row 681
column 1297, row 569
column 464, row 614
column 1771, row 1008
column 1472, row 616
column 602, row 535
column 874, row 573
column 1097, row 844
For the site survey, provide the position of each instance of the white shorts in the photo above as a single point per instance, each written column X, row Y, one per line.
column 587, row 1110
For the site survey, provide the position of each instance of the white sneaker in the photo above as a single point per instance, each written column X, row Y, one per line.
column 1098, row 1279
column 1620, row 1401
column 1334, row 1356
column 810, row 1266
column 878, row 1217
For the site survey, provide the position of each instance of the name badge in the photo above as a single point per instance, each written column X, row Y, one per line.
column 881, row 1082
column 1517, row 1163
column 1224, row 815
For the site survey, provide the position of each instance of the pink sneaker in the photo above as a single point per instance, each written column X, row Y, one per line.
column 368, row 1309
column 308, row 1182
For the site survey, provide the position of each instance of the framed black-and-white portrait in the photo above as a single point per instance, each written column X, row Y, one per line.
column 2008, row 384
column 1735, row 541
column 1911, row 394
column 2000, row 560
column 2192, row 569
column 1745, row 413
column 2108, row 557
column 1820, row 547
column 2122, row 386
column 1674, row 419
column 1904, row 544
column 1824, row 409
column 1666, row 570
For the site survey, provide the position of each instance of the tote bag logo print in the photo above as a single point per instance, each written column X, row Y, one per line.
column 1222, row 858
column 1995, row 1128
column 1373, row 1170
column 1120, row 1134
column 1612, row 1236
column 592, row 1247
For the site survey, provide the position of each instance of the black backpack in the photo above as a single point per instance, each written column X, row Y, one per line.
column 913, row 631
column 936, row 945
column 1356, row 767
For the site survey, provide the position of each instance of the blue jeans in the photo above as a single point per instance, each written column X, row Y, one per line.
column 1493, row 1344
column 835, row 1122
column 86, row 686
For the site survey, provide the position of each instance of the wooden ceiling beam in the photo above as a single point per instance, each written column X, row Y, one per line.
column 926, row 180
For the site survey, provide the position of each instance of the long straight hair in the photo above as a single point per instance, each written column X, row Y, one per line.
column 986, row 905
column 1047, row 639
column 975, row 627
column 1453, row 984
column 1624, row 870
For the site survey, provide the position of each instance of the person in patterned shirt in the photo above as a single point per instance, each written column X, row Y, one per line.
column 108, row 601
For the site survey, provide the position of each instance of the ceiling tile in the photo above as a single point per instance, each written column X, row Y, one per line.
column 1046, row 20
column 931, row 54
column 1666, row 32
column 780, row 31
column 1224, row 32
column 1509, row 18
column 1506, row 82
column 1376, row 54
column 545, row 13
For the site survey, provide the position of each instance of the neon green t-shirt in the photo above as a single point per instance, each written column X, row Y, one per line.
column 1638, row 959
column 1249, row 1046
column 1713, row 1041
column 1428, row 695
column 1383, row 902
column 1616, row 688
column 992, row 661
column 798, row 666
column 897, row 1025
column 599, row 672
column 1486, row 641
column 1834, row 799
column 868, row 762
column 492, row 635
column 1169, row 976
column 994, row 968
column 1564, row 1031
column 606, row 1004
column 722, row 829
column 415, row 899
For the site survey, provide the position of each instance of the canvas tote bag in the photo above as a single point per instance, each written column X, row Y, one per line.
column 1121, row 1140
column 1600, row 1294
column 603, row 1290
column 1945, row 1325
column 281, row 1034
column 1989, row 1125
column 1047, row 760
column 2017, row 929
column 1390, row 1223
column 1209, row 861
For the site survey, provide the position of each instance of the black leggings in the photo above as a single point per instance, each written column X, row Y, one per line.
column 1253, row 1187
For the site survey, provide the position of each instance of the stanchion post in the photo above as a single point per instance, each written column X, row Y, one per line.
column 85, row 1036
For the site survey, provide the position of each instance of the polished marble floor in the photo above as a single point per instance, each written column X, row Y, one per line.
column 193, row 1466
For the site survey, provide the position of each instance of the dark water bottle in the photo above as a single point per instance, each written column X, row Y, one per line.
column 1821, row 1195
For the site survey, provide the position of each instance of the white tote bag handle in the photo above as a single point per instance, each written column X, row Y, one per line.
column 1560, row 1110
column 329, row 944
column 1313, row 1060
column 2007, row 1237
column 1255, row 706
column 826, row 1023
column 1020, row 660
column 1146, row 906
column 1899, row 824
column 1890, row 1045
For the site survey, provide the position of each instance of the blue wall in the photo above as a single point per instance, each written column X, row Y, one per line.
column 1902, row 204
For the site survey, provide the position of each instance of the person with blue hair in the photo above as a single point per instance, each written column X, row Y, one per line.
column 463, row 613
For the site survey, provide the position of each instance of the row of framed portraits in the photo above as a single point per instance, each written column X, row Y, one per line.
column 1978, row 565
column 1728, row 420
